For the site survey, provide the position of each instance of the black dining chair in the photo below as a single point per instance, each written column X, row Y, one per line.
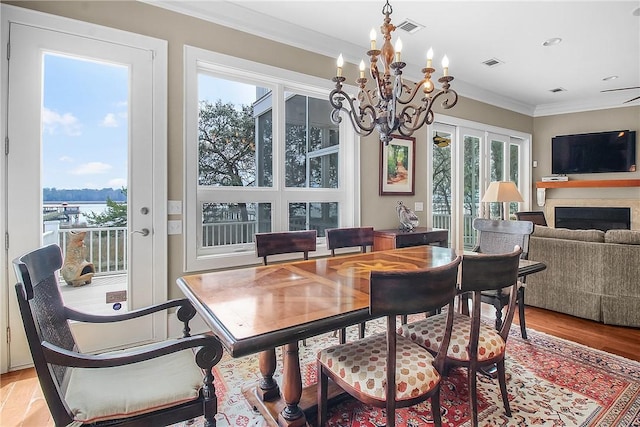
column 473, row 344
column 388, row 370
column 338, row 238
column 495, row 237
column 160, row 383
column 536, row 217
column 285, row 242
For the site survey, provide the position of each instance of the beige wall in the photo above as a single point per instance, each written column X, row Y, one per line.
column 547, row 127
column 179, row 30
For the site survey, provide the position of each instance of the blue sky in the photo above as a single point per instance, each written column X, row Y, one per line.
column 84, row 124
column 85, row 120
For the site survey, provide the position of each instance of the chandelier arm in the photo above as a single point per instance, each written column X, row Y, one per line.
column 412, row 92
column 451, row 98
column 336, row 98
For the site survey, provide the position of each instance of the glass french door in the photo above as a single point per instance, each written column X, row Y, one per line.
column 81, row 117
column 464, row 161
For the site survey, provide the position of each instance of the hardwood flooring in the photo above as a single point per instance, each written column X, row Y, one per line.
column 22, row 404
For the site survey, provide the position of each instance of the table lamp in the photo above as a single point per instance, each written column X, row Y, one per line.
column 502, row 191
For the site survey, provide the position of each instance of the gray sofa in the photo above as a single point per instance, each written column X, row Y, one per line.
column 590, row 274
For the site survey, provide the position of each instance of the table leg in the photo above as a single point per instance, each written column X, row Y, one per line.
column 291, row 415
column 268, row 387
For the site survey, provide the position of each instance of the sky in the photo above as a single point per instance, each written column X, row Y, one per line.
column 85, row 120
column 84, row 124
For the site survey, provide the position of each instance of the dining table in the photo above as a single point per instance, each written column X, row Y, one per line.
column 257, row 309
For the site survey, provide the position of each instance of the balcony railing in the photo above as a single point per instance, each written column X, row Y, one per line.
column 105, row 247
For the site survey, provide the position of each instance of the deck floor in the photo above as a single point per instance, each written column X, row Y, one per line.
column 92, row 298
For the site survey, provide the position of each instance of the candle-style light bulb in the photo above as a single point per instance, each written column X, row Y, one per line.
column 340, row 63
column 398, row 49
column 445, row 66
column 372, row 37
column 430, row 58
column 362, row 69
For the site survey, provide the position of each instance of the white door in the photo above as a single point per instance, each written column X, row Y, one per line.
column 34, row 52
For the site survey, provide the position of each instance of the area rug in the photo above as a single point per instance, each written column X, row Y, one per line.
column 551, row 382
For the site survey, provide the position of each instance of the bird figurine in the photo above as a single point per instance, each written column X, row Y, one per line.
column 408, row 219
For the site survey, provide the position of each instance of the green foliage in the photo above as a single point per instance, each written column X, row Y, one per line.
column 226, row 136
column 115, row 215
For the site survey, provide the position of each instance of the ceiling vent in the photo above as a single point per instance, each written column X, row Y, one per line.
column 558, row 89
column 493, row 62
column 410, row 26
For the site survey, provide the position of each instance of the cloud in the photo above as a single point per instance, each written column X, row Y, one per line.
column 91, row 168
column 67, row 123
column 66, row 159
column 109, row 121
column 117, row 183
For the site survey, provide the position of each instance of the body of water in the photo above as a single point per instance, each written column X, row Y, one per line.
column 83, row 207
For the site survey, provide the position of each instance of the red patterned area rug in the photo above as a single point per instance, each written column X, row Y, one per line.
column 551, row 382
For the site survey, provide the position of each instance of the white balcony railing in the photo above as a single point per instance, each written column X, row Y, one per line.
column 106, row 247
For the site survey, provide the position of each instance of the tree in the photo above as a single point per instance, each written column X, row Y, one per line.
column 227, row 151
column 226, row 138
column 115, row 215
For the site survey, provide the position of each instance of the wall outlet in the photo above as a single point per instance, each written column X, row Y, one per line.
column 418, row 206
column 174, row 207
column 174, row 226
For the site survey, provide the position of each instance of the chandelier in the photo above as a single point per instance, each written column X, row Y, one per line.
column 388, row 108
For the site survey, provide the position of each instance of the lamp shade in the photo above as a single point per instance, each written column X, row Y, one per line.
column 502, row 191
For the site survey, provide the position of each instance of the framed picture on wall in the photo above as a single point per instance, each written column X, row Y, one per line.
column 398, row 166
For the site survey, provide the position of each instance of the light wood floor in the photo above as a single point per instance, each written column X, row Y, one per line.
column 22, row 403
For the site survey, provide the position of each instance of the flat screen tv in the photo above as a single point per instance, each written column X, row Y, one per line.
column 613, row 151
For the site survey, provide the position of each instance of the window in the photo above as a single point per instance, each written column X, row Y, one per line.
column 261, row 155
column 465, row 157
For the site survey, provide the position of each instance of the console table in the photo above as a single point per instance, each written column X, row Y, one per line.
column 394, row 238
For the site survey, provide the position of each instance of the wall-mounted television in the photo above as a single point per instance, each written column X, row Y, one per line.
column 613, row 151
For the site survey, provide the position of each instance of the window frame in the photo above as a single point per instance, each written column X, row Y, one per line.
column 280, row 81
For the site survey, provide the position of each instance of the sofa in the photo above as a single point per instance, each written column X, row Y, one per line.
column 590, row 274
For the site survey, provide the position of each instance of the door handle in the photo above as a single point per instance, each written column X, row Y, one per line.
column 145, row 232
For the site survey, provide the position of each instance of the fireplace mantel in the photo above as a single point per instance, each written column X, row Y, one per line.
column 589, row 183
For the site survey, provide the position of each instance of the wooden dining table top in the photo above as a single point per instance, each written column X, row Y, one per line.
column 256, row 308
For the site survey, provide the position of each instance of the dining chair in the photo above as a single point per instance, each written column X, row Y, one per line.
column 154, row 384
column 285, row 242
column 338, row 238
column 388, row 370
column 536, row 217
column 474, row 345
column 495, row 237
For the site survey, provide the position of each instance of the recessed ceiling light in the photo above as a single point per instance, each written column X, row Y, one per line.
column 552, row 42
column 606, row 79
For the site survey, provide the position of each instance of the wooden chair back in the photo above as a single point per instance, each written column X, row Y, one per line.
column 348, row 238
column 42, row 311
column 55, row 354
column 489, row 273
column 499, row 237
column 285, row 243
column 394, row 293
column 536, row 217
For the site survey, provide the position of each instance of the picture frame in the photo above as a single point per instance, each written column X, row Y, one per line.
column 398, row 166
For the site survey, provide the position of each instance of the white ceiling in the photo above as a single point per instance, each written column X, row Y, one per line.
column 599, row 39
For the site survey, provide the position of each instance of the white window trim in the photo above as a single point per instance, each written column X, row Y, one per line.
column 195, row 60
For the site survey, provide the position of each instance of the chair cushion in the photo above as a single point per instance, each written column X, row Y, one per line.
column 362, row 365
column 429, row 332
column 96, row 394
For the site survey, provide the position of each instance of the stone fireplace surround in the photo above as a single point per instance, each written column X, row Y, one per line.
column 634, row 204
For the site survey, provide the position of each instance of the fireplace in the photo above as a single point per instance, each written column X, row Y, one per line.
column 593, row 218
